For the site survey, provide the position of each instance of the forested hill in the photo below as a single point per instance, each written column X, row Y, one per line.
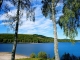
column 27, row 38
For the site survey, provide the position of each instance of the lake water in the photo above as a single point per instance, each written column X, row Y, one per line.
column 27, row 49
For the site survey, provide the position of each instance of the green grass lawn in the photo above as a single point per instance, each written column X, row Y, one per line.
column 34, row 59
column 29, row 59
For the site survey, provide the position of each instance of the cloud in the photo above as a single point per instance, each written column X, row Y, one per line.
column 59, row 9
column 36, row 2
column 41, row 25
column 59, row 4
column 4, row 16
column 8, row 3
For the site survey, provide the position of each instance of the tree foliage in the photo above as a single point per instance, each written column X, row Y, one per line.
column 11, row 19
column 1, row 3
column 25, row 38
column 33, row 55
column 67, row 56
column 47, row 8
column 42, row 55
column 14, row 20
column 70, row 20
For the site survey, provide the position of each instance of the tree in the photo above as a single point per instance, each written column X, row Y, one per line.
column 70, row 20
column 15, row 20
column 48, row 9
column 1, row 2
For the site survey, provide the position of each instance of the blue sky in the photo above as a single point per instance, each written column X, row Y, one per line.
column 42, row 25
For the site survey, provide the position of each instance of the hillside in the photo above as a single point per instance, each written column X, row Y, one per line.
column 27, row 38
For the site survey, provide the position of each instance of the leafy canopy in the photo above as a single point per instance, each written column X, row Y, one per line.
column 70, row 21
column 47, row 8
column 25, row 6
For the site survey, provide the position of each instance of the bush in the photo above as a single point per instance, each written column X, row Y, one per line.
column 33, row 55
column 42, row 55
column 67, row 56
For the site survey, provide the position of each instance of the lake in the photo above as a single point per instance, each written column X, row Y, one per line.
column 27, row 49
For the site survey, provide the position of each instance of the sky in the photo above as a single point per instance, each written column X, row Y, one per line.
column 41, row 26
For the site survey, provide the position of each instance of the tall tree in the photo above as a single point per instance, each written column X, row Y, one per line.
column 15, row 20
column 16, row 32
column 70, row 20
column 48, row 9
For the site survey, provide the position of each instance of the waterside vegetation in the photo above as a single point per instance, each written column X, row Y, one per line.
column 65, row 56
column 29, row 38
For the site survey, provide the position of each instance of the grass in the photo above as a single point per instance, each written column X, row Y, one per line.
column 29, row 59
column 33, row 59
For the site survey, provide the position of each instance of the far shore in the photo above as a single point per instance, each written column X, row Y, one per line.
column 39, row 43
column 7, row 56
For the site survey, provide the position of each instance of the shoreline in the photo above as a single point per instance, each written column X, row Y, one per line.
column 7, row 56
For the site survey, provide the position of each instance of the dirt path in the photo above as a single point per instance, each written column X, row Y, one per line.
column 7, row 56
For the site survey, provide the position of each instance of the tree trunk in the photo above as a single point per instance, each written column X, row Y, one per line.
column 16, row 34
column 55, row 33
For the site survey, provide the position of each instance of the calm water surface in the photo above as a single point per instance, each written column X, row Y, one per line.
column 27, row 49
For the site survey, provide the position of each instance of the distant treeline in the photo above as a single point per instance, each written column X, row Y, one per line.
column 27, row 38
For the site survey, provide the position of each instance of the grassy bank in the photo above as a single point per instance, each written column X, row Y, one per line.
column 29, row 59
column 34, row 59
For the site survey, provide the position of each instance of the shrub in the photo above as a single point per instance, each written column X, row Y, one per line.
column 67, row 56
column 33, row 55
column 42, row 55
